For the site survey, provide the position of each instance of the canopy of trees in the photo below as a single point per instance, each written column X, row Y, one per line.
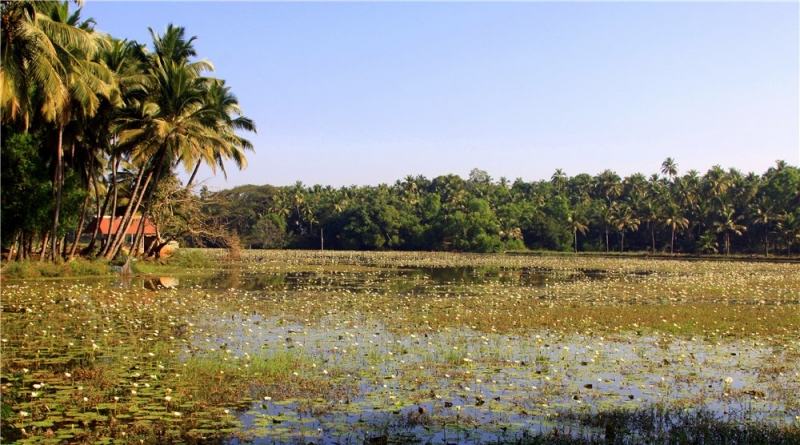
column 722, row 211
column 94, row 125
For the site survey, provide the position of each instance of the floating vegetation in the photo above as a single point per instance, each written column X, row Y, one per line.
column 353, row 347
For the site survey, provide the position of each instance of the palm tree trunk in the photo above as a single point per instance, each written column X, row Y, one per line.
column 575, row 236
column 79, row 229
column 727, row 243
column 653, row 237
column 156, row 168
column 13, row 249
column 115, row 187
column 672, row 242
column 607, row 248
column 194, row 173
column 133, row 205
column 43, row 253
column 59, row 180
column 22, row 246
column 150, row 193
column 101, row 210
column 115, row 240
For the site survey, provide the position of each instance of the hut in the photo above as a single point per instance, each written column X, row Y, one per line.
column 109, row 226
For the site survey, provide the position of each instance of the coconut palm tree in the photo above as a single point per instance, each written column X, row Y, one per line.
column 577, row 224
column 85, row 78
column 559, row 180
column 669, row 168
column 727, row 223
column 33, row 50
column 176, row 122
column 229, row 119
column 674, row 219
column 605, row 217
column 789, row 225
column 764, row 216
column 625, row 220
column 608, row 185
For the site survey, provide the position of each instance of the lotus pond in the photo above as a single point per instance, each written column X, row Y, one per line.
column 351, row 347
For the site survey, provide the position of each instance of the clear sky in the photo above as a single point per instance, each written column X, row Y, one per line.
column 362, row 93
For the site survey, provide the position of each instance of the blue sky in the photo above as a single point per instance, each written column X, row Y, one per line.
column 362, row 93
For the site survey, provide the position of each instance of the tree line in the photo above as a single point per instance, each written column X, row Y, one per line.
column 719, row 212
column 95, row 125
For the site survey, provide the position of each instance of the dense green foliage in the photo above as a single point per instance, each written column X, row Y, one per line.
column 95, row 126
column 722, row 211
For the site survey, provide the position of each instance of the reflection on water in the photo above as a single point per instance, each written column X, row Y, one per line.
column 408, row 280
column 150, row 283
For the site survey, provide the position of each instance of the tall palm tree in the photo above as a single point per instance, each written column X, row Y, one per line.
column 728, row 223
column 229, row 119
column 605, row 217
column 764, row 216
column 674, row 219
column 609, row 185
column 669, row 168
column 177, row 122
column 789, row 225
column 625, row 220
column 559, row 179
column 85, row 78
column 650, row 214
column 577, row 224
column 33, row 52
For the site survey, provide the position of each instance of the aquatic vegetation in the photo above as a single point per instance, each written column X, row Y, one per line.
column 289, row 347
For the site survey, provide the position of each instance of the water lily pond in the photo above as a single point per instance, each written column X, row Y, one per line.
column 347, row 347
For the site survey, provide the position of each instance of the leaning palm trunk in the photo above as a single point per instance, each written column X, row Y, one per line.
column 159, row 166
column 194, row 173
column 133, row 205
column 114, row 240
column 115, row 187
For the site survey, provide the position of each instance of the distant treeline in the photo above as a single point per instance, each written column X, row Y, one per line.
column 722, row 211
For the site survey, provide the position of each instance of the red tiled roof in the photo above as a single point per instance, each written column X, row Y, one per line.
column 105, row 223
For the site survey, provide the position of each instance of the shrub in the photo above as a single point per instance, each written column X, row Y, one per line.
column 190, row 258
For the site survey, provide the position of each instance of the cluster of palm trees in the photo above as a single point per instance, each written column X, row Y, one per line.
column 703, row 210
column 110, row 112
column 722, row 211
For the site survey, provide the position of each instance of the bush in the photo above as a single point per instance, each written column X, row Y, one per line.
column 83, row 267
column 34, row 269
column 190, row 258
